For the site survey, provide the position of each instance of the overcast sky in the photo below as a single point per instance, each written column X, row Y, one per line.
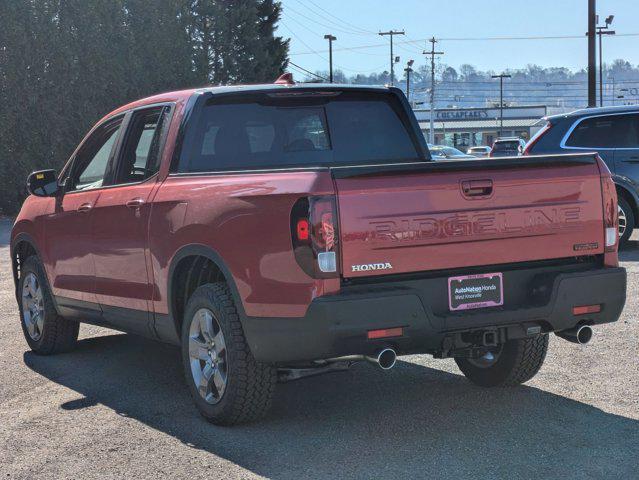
column 355, row 23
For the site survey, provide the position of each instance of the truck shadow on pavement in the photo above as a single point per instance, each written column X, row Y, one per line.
column 411, row 422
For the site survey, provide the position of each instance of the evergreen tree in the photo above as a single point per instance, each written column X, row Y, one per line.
column 66, row 63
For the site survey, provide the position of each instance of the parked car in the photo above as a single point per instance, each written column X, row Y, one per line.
column 479, row 151
column 613, row 132
column 439, row 152
column 278, row 231
column 507, row 147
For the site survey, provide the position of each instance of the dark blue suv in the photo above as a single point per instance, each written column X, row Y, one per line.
column 613, row 132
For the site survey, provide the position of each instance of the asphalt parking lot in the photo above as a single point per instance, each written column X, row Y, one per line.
column 117, row 408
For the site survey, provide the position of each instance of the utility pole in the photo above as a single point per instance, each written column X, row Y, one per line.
column 330, row 39
column 432, row 53
column 501, row 100
column 408, row 69
column 592, row 75
column 391, row 33
column 601, row 31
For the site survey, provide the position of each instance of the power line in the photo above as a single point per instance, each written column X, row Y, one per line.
column 303, row 42
column 333, row 26
column 364, row 31
column 307, row 71
column 473, row 39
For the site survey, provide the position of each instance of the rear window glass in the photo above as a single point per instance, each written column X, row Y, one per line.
column 506, row 146
column 345, row 130
column 610, row 131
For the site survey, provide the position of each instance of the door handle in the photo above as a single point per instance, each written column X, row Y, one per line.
column 633, row 159
column 135, row 203
column 477, row 188
column 85, row 208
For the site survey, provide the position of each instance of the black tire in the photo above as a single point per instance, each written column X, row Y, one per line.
column 250, row 385
column 516, row 363
column 58, row 334
column 630, row 220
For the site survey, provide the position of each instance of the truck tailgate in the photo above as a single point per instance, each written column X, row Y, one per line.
column 447, row 215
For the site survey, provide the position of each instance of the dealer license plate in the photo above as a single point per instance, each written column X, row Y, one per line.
column 475, row 291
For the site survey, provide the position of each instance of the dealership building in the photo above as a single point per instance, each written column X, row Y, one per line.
column 466, row 127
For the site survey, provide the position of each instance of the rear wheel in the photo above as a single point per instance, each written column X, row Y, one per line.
column 509, row 364
column 226, row 383
column 46, row 332
column 626, row 220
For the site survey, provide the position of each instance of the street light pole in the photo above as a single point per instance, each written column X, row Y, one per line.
column 601, row 31
column 592, row 74
column 432, row 53
column 408, row 69
column 501, row 100
column 330, row 39
column 391, row 33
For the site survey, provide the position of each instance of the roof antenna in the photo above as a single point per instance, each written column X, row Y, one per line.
column 285, row 79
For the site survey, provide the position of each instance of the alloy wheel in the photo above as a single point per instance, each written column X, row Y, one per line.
column 622, row 221
column 32, row 306
column 208, row 356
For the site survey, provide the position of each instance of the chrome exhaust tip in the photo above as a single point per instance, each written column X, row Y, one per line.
column 581, row 334
column 386, row 359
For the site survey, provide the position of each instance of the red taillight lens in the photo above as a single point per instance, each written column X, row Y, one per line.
column 385, row 333
column 610, row 214
column 610, row 211
column 585, row 309
column 313, row 221
column 535, row 138
column 303, row 230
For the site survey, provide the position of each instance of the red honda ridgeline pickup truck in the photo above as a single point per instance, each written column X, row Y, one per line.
column 278, row 231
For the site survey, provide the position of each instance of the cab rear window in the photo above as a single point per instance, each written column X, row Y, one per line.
column 280, row 132
column 506, row 146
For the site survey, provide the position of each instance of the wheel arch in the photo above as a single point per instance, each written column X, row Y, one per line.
column 623, row 190
column 194, row 265
column 22, row 247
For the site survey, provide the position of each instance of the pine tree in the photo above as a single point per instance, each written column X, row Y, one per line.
column 66, row 63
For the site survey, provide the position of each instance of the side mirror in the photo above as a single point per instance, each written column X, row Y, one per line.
column 43, row 183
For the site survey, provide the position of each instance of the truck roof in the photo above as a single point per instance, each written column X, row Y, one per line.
column 225, row 89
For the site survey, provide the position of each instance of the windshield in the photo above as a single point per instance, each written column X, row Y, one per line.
column 508, row 146
column 347, row 129
column 445, row 151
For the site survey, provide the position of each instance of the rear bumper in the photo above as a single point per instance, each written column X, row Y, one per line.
column 534, row 297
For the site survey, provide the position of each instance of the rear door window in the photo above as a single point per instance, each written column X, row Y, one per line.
column 140, row 156
column 609, row 131
column 278, row 133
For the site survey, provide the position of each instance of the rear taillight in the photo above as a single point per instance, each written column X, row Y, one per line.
column 610, row 214
column 314, row 232
column 536, row 137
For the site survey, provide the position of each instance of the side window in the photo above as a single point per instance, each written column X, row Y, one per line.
column 629, row 132
column 91, row 161
column 140, row 154
column 610, row 131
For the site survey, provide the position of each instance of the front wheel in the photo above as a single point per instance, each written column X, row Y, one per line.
column 511, row 363
column 46, row 332
column 226, row 383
